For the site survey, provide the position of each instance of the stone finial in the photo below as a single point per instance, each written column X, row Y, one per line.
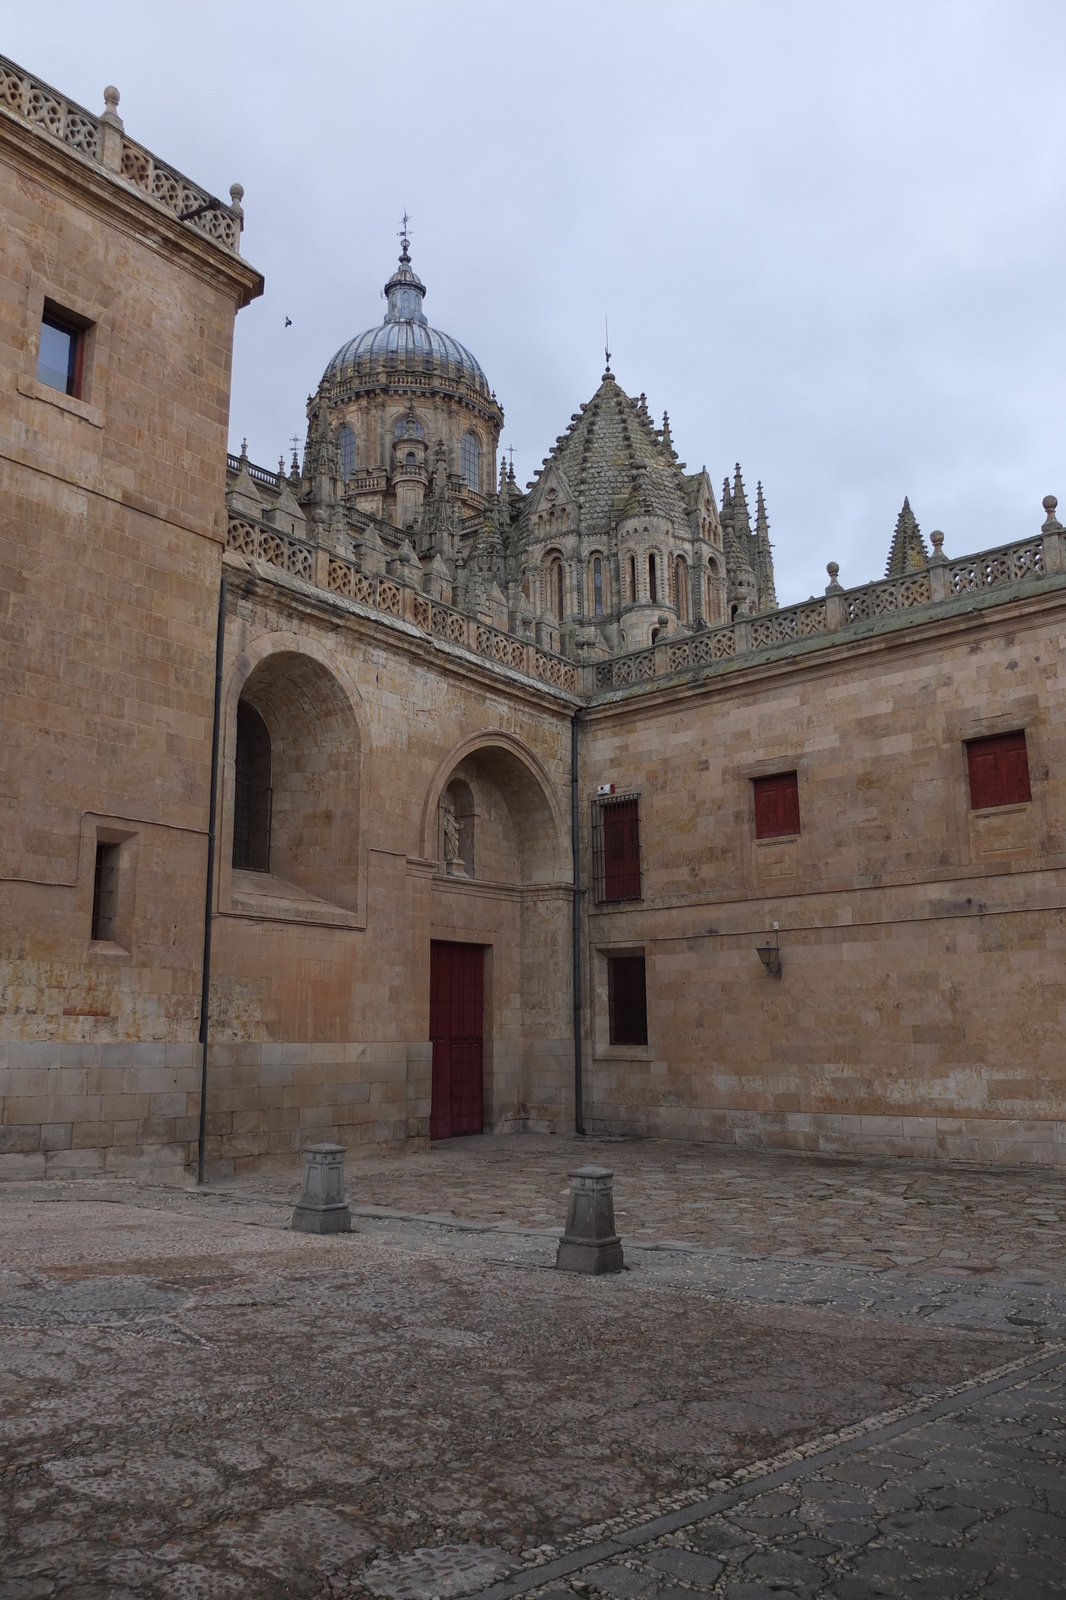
column 589, row 1242
column 1051, row 522
column 937, row 541
column 322, row 1207
column 244, row 449
column 833, row 587
column 109, row 137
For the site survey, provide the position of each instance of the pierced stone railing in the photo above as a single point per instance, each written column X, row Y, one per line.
column 325, row 570
column 1026, row 561
column 267, row 544
column 102, row 140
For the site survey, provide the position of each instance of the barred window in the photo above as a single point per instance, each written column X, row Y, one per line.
column 616, row 848
column 346, row 451
column 627, row 1000
column 105, row 891
column 597, row 587
column 470, row 461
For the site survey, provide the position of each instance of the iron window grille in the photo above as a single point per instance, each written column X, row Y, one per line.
column 616, row 847
column 105, row 892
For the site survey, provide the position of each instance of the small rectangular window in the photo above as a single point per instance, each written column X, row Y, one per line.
column 105, row 892
column 61, row 355
column 777, row 806
column 616, row 848
column 999, row 771
column 627, row 1000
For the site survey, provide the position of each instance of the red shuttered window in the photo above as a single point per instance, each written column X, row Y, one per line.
column 616, row 848
column 777, row 805
column 999, row 771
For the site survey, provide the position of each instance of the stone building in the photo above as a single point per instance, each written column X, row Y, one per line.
column 530, row 807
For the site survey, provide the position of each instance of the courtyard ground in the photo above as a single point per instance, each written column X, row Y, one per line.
column 814, row 1377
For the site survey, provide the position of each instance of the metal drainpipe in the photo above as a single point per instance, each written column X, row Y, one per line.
column 209, row 887
column 575, row 821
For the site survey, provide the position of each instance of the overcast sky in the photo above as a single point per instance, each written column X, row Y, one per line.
column 829, row 237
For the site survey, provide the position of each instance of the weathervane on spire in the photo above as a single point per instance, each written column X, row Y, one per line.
column 606, row 342
column 404, row 240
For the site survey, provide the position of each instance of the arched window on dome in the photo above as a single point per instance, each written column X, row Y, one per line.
column 558, row 590
column 346, row 451
column 470, row 461
column 653, row 580
column 633, row 580
column 597, row 586
column 681, row 588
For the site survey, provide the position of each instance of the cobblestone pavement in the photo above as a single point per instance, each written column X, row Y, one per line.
column 194, row 1401
column 894, row 1213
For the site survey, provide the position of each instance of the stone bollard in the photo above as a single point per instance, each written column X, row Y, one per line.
column 590, row 1243
column 322, row 1207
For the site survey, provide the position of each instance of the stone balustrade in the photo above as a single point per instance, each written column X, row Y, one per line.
column 1029, row 561
column 943, row 581
column 103, row 140
column 392, row 597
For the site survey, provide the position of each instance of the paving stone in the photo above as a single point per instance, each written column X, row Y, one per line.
column 687, row 1565
column 621, row 1582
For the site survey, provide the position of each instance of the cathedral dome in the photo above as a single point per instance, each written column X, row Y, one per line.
column 406, row 339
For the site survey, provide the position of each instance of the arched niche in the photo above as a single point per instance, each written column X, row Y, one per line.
column 518, row 831
column 314, row 772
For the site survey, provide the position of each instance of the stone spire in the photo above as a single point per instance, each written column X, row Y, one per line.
column 764, row 569
column 668, row 443
column 739, row 499
column 907, row 552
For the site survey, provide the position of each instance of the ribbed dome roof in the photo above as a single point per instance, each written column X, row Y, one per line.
column 407, row 337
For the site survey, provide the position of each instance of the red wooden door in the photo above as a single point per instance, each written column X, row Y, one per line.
column 455, row 1027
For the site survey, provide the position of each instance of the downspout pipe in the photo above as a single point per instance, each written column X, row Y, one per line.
column 209, row 884
column 575, row 829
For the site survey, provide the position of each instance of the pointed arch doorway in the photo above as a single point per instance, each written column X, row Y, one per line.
column 456, row 1028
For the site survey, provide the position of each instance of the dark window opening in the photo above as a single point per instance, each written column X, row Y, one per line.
column 999, row 771
column 633, row 579
column 346, row 451
column 597, row 587
column 61, row 356
column 616, row 848
column 627, row 1000
column 777, row 807
column 653, row 581
column 105, row 892
column 470, row 461
column 252, row 792
column 681, row 586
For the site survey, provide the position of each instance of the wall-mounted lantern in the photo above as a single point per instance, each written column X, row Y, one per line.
column 770, row 956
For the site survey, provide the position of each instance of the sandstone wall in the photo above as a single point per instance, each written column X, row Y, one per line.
column 923, row 994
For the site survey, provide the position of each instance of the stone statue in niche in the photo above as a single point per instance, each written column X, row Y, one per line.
column 454, row 865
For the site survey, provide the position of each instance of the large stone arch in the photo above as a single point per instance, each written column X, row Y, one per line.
column 312, row 712
column 521, row 780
